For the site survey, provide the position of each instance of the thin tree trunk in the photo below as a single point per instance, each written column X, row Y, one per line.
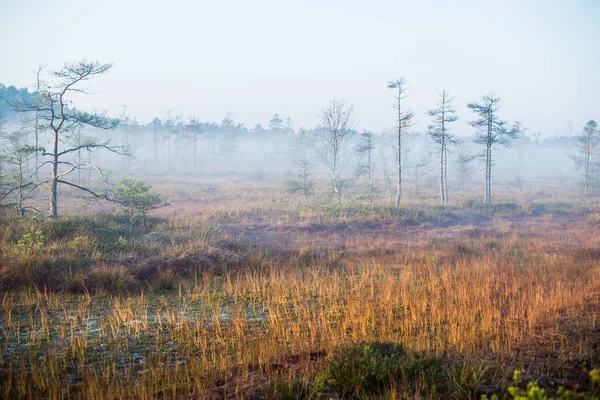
column 399, row 194
column 447, row 198
column 335, row 186
column 488, row 177
column 79, row 156
column 442, row 152
column 155, row 148
column 54, row 179
column 194, row 150
column 37, row 120
column 488, row 159
column 388, row 181
column 169, row 151
column 89, row 168
column 416, row 180
column 442, row 194
column 37, row 142
column 587, row 178
column 370, row 178
column 20, row 193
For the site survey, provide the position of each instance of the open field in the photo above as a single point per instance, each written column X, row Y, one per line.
column 239, row 291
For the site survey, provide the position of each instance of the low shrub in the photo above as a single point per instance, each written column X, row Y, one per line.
column 369, row 369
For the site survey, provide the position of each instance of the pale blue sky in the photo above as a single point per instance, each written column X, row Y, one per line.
column 255, row 58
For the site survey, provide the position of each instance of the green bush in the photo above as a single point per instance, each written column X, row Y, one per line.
column 137, row 199
column 368, row 369
column 532, row 391
column 33, row 241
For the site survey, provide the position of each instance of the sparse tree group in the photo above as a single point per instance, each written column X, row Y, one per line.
column 74, row 136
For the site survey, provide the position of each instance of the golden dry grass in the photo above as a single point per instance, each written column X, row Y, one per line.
column 513, row 290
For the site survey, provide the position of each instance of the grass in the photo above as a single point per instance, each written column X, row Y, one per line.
column 260, row 297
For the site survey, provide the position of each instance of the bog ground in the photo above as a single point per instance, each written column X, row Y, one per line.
column 237, row 290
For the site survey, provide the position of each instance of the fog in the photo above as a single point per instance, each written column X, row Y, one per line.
column 245, row 61
column 225, row 151
column 257, row 58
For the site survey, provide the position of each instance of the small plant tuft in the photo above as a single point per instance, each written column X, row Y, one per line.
column 113, row 280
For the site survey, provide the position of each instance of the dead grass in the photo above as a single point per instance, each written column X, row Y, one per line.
column 251, row 295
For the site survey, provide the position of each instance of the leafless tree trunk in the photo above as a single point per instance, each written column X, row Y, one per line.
column 491, row 131
column 388, row 180
column 366, row 165
column 169, row 122
column 155, row 146
column 79, row 154
column 404, row 118
column 89, row 177
column 418, row 165
column 589, row 143
column 38, row 88
column 446, row 174
column 463, row 167
column 194, row 131
column 443, row 114
column 335, row 135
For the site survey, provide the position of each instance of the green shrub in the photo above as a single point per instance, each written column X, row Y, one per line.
column 532, row 391
column 369, row 369
column 137, row 199
column 33, row 241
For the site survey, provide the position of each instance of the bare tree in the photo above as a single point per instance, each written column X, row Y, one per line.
column 417, row 165
column 491, row 131
column 464, row 167
column 194, row 129
column 588, row 146
column 404, row 118
column 156, row 126
column 366, row 166
column 38, row 128
column 17, row 181
column 170, row 123
column 125, row 119
column 387, row 178
column 75, row 139
column 335, row 135
column 439, row 132
column 57, row 114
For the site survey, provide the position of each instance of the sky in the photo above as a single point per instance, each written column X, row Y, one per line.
column 255, row 58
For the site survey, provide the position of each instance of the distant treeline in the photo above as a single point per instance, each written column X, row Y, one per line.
column 10, row 94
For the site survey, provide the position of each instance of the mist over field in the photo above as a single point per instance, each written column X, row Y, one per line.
column 177, row 149
column 299, row 200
